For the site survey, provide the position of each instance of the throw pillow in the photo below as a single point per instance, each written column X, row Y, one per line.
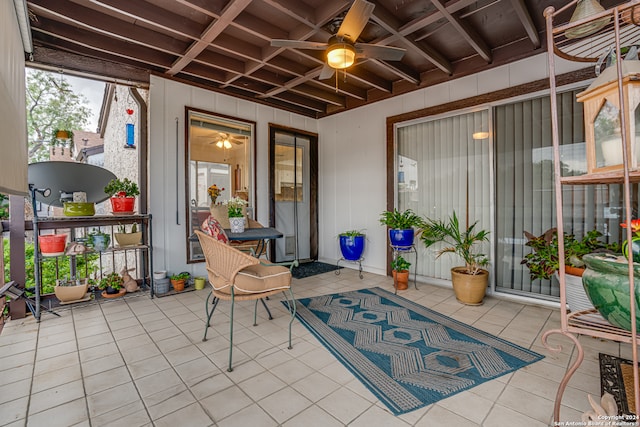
column 213, row 228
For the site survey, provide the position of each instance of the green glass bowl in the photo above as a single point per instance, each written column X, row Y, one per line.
column 79, row 209
column 606, row 282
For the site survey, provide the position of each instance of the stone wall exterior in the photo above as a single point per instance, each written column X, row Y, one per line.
column 123, row 162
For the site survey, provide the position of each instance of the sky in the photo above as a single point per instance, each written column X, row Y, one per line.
column 93, row 90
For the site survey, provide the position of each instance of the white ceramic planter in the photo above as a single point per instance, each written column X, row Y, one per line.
column 577, row 299
column 237, row 224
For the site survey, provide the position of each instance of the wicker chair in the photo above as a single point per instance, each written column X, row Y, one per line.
column 237, row 276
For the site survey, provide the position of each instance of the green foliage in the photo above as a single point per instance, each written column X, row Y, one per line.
column 544, row 261
column 51, row 104
column 122, row 228
column 400, row 264
column 111, row 280
column 4, row 206
column 181, row 276
column 400, row 220
column 352, row 233
column 84, row 267
column 126, row 186
column 457, row 241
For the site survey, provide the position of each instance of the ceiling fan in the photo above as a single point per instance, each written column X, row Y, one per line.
column 342, row 49
column 223, row 140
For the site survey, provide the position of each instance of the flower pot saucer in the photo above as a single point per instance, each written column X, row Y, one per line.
column 52, row 254
column 87, row 297
column 119, row 294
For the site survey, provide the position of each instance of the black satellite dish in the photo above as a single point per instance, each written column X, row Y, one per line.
column 65, row 178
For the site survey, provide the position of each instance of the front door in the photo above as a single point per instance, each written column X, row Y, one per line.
column 293, row 194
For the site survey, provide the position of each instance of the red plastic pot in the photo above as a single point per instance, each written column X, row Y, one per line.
column 122, row 204
column 52, row 244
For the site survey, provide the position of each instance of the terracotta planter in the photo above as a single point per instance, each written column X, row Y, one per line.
column 52, row 245
column 470, row 289
column 178, row 285
column 400, row 279
column 123, row 205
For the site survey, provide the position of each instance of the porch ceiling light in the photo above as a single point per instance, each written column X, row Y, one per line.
column 341, row 55
column 480, row 135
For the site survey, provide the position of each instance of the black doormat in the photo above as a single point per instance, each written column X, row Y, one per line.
column 616, row 378
column 308, row 269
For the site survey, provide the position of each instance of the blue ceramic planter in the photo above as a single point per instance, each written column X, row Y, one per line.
column 401, row 238
column 606, row 281
column 352, row 247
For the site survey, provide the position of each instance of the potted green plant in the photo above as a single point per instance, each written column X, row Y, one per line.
column 352, row 244
column 235, row 207
column 111, row 284
column 544, row 261
column 71, row 290
column 178, row 281
column 61, row 136
column 400, row 273
column 128, row 238
column 401, row 226
column 469, row 282
column 123, row 194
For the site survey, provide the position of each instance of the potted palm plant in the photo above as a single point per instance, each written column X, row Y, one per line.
column 400, row 273
column 469, row 282
column 123, row 194
column 352, row 244
column 401, row 226
column 544, row 261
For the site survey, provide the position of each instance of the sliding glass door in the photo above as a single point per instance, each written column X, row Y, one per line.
column 441, row 168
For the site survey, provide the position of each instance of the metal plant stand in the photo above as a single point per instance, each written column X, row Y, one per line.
column 608, row 33
column 401, row 250
column 358, row 261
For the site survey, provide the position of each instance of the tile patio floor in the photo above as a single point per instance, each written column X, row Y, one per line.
column 141, row 362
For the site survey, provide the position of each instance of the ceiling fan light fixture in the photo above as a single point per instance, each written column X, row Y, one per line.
column 341, row 56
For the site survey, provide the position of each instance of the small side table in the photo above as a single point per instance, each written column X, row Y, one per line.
column 401, row 250
column 359, row 261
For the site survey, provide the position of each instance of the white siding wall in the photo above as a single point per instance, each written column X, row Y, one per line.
column 352, row 154
column 167, row 101
column 352, row 157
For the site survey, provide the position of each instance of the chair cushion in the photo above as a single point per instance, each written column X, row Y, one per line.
column 262, row 278
column 213, row 228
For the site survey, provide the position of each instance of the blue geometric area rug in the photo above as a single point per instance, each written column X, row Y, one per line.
column 407, row 355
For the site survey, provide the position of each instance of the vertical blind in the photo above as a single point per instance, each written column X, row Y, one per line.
column 442, row 169
column 525, row 198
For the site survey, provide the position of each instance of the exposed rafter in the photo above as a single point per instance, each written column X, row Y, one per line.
column 225, row 45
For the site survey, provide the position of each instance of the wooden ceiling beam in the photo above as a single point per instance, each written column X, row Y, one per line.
column 154, row 16
column 387, row 21
column 233, row 9
column 77, row 16
column 105, row 45
column 467, row 33
column 525, row 18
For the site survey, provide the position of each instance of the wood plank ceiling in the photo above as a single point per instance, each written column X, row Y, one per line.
column 225, row 45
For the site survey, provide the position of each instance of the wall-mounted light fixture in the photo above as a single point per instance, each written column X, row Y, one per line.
column 480, row 135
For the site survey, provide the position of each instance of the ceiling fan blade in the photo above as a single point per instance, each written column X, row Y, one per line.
column 388, row 53
column 355, row 20
column 326, row 72
column 299, row 44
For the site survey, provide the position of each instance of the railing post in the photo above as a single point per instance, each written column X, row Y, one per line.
column 17, row 272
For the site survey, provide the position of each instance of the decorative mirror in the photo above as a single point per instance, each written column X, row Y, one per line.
column 219, row 150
